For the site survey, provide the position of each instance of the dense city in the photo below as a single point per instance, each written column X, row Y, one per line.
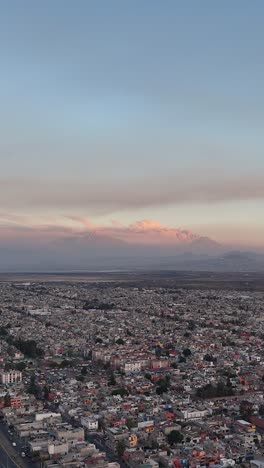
column 113, row 375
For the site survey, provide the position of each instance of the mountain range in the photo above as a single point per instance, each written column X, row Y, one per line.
column 100, row 250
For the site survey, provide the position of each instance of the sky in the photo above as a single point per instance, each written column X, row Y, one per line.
column 141, row 121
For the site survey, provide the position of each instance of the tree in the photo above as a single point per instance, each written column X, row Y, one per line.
column 9, row 366
column 246, row 409
column 46, row 392
column 120, row 391
column 228, row 373
column 119, row 341
column 191, row 325
column 20, row 366
column 53, row 365
column 208, row 358
column 160, row 390
column 187, row 352
column 163, row 385
column 65, row 363
column 7, row 400
column 120, row 448
column 112, row 380
column 84, row 371
column 148, row 376
column 212, row 391
column 3, row 332
column 175, row 437
column 130, row 423
column 154, row 444
column 182, row 359
column 228, row 382
column 88, row 356
column 33, row 389
column 27, row 347
column 80, row 378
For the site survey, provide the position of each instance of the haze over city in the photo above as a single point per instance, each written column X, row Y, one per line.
column 130, row 129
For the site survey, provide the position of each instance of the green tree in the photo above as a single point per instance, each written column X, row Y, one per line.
column 120, row 448
column 213, row 391
column 120, row 391
column 84, row 371
column 130, row 423
column 187, row 352
column 182, row 359
column 53, row 365
column 9, row 366
column 120, row 341
column 46, row 392
column 112, row 380
column 191, row 325
column 208, row 358
column 80, row 378
column 33, row 388
column 175, row 437
column 7, row 400
column 28, row 347
column 160, row 390
column 65, row 363
column 3, row 332
column 20, row 366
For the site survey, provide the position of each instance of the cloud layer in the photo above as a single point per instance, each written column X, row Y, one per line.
column 107, row 197
column 20, row 229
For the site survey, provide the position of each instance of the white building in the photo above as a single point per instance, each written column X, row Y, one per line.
column 11, row 377
column 90, row 423
column 58, row 448
column 190, row 414
column 133, row 366
column 46, row 415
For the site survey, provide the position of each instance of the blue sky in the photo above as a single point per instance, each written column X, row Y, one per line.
column 115, row 94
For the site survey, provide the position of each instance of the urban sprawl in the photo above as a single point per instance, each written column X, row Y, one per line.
column 107, row 375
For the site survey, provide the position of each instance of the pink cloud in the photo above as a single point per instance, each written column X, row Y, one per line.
column 82, row 220
column 148, row 232
column 145, row 232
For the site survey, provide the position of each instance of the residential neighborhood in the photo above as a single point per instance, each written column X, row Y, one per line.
column 112, row 375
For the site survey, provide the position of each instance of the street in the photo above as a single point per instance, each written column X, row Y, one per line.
column 8, row 456
column 10, row 452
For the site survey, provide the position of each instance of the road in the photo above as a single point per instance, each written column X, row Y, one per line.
column 17, row 450
column 8, row 456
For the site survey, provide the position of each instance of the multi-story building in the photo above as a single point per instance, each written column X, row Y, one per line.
column 131, row 366
column 11, row 377
column 16, row 402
